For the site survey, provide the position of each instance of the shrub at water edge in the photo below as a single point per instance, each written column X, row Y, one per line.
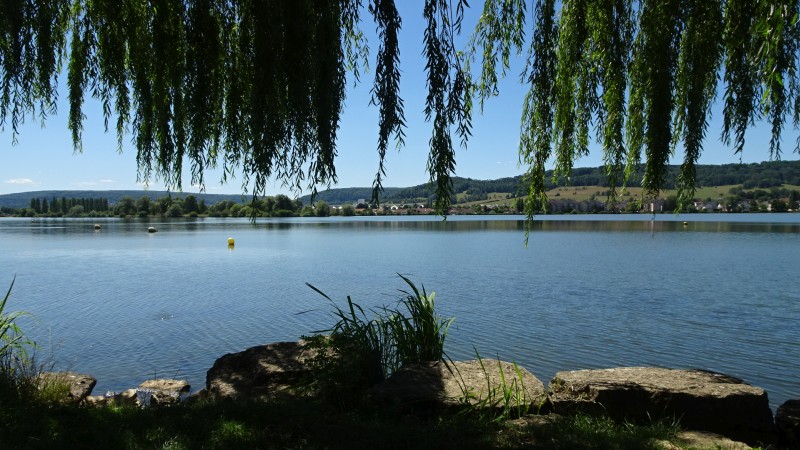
column 373, row 348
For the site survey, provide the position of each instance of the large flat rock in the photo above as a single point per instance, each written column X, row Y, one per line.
column 436, row 384
column 701, row 400
column 258, row 372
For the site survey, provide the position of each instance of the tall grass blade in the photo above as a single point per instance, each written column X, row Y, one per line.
column 410, row 332
column 12, row 339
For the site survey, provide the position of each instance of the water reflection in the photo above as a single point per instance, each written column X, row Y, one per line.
column 726, row 223
column 665, row 226
column 539, row 225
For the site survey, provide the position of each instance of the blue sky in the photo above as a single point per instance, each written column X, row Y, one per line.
column 44, row 159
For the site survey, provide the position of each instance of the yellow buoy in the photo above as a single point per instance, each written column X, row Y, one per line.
column 230, row 241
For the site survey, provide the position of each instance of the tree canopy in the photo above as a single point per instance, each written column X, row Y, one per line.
column 259, row 85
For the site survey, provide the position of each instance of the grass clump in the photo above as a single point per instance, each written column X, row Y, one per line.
column 417, row 331
column 501, row 401
column 360, row 351
column 13, row 343
column 17, row 377
column 21, row 380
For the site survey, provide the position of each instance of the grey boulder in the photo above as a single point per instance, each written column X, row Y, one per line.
column 700, row 400
column 478, row 383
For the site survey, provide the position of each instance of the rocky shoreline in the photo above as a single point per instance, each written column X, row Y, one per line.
column 709, row 402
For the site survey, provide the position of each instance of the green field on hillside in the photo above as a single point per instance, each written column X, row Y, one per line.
column 585, row 193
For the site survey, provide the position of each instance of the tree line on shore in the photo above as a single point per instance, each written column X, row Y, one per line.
column 739, row 199
column 190, row 206
column 166, row 206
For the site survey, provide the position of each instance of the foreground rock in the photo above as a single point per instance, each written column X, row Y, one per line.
column 787, row 421
column 261, row 372
column 77, row 385
column 434, row 384
column 701, row 400
column 127, row 397
column 162, row 392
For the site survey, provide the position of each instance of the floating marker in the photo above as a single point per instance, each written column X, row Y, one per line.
column 685, row 223
column 97, row 226
column 152, row 230
column 231, row 241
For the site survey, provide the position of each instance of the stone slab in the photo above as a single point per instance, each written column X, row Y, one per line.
column 478, row 383
column 700, row 400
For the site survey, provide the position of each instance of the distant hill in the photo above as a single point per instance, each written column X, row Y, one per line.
column 23, row 199
column 339, row 196
column 756, row 175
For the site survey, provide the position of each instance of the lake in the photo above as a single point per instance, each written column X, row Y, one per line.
column 719, row 292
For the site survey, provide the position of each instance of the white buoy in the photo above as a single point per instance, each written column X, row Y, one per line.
column 97, row 226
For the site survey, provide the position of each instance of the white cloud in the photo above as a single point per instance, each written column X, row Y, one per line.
column 93, row 183
column 508, row 163
column 27, row 181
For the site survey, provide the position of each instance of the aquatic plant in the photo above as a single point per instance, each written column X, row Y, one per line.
column 419, row 335
column 358, row 351
column 13, row 343
column 17, row 369
column 506, row 400
column 353, row 354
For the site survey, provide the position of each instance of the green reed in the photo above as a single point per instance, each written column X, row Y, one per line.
column 359, row 351
column 18, row 373
column 418, row 332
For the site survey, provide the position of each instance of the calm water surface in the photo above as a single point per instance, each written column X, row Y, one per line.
column 719, row 293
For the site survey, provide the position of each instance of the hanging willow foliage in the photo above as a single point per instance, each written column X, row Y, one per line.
column 385, row 93
column 449, row 101
column 696, row 83
column 641, row 76
column 652, row 74
column 258, row 86
column 537, row 112
column 32, row 41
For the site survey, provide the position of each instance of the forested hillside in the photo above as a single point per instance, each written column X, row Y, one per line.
column 755, row 175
